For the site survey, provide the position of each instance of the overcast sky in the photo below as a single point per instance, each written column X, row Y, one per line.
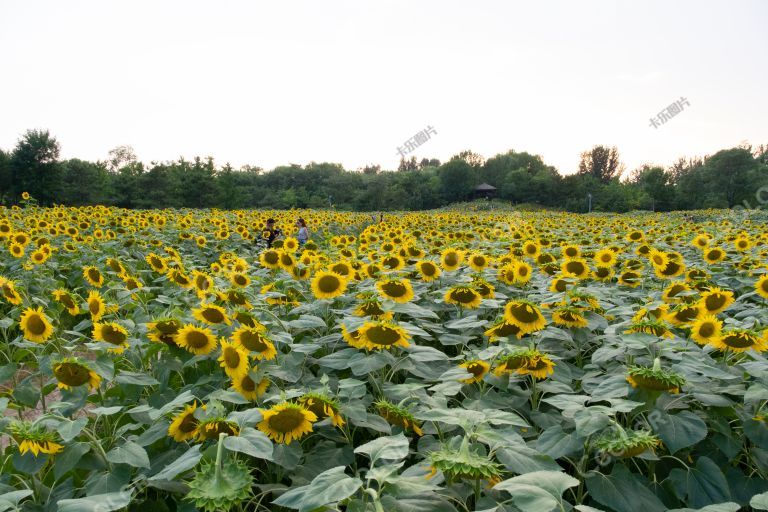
column 271, row 83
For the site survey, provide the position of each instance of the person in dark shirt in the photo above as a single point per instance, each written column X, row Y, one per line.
column 272, row 233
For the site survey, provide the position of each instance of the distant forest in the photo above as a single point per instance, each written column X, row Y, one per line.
column 730, row 177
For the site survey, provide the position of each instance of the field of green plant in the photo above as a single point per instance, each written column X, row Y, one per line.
column 165, row 360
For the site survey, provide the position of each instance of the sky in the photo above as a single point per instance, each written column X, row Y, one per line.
column 273, row 83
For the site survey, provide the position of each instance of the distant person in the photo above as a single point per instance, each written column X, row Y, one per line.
column 303, row 234
column 272, row 233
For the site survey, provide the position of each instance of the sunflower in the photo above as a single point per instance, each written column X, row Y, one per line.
column 506, row 273
column 464, row 296
column 714, row 255
column 630, row 278
column 93, row 276
column 158, row 263
column 675, row 292
column 372, row 307
column 286, row 422
column 398, row 416
column 659, row 259
column 477, row 367
column 16, row 250
column 396, row 290
column 327, row 285
column 290, row 244
column 323, row 407
column 569, row 316
column 71, row 373
column 254, row 339
column 203, row 282
column 715, row 300
column 525, row 315
column 701, row 241
column 451, row 259
column 428, row 270
column 674, row 267
column 740, row 340
column 197, row 340
column 654, row 378
column 503, row 329
column 35, row 325
column 605, row 258
column 96, row 305
column 522, row 272
column 684, row 314
column 112, row 333
column 234, row 359
column 163, row 330
column 483, row 287
column 210, row 428
column 650, row 326
column 706, row 329
column 576, row 268
column 531, row 249
column 9, row 292
column 761, row 286
column 603, row 274
column 270, row 259
column 64, row 298
column 525, row 362
column 239, row 279
column 628, row 444
column 34, row 438
column 248, row 388
column 393, row 262
column 211, row 314
column 559, row 285
column 380, row 334
column 478, row 261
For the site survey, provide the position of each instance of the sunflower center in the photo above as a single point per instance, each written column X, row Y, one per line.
column 464, row 295
column 213, row 315
column 575, row 267
column 328, row 284
column 706, row 330
column 197, row 339
column 67, row 301
column 253, row 341
column 506, row 329
column 271, row 257
column 382, row 335
column 231, row 358
column 475, row 369
column 738, row 340
column 94, row 274
column 35, row 324
column 524, row 313
column 428, row 269
column 287, row 420
column 167, row 327
column 715, row 302
column 71, row 374
column 451, row 259
column 394, row 289
column 94, row 306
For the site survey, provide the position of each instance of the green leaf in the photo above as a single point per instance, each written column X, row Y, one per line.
column 540, row 490
column 69, row 458
column 386, row 447
column 759, row 501
column 623, row 491
column 720, row 507
column 139, row 379
column 556, row 443
column 97, row 503
column 680, row 430
column 11, row 500
column 250, row 442
column 187, row 461
column 703, row 485
column 521, row 459
column 591, row 420
column 326, row 488
column 68, row 430
column 129, row 453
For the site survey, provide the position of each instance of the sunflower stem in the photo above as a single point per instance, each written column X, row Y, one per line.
column 219, row 456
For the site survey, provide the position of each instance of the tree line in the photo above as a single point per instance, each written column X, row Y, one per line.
column 729, row 178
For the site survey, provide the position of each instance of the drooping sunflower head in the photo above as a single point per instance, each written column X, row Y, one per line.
column 286, row 422
column 464, row 464
column 483, row 287
column 197, row 340
column 630, row 278
column 675, row 292
column 398, row 416
column 211, row 427
column 323, row 407
column 569, row 316
column 71, row 373
column 684, row 314
column 35, row 325
column 625, row 444
column 33, row 437
column 396, row 290
column 327, row 285
column 9, row 293
column 654, row 378
column 740, row 340
column 525, row 362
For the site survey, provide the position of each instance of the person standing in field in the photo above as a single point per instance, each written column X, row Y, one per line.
column 303, row 235
column 271, row 233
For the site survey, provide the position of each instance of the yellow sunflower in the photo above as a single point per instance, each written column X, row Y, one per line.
column 96, row 305
column 234, row 359
column 428, row 270
column 254, row 339
column 93, row 276
column 569, row 316
column 716, row 300
column 71, row 373
column 286, row 422
column 477, row 367
column 464, row 296
column 35, row 325
column 211, row 314
column 714, row 255
column 270, row 259
column 451, row 259
column 197, row 340
column 380, row 334
column 327, row 285
column 396, row 290
column 323, row 407
column 64, row 298
column 248, row 388
column 525, row 315
column 112, row 333
column 705, row 329
column 740, row 340
column 761, row 286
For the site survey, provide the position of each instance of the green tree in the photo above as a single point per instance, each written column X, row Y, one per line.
column 83, row 183
column 457, row 180
column 5, row 176
column 656, row 187
column 35, row 167
column 601, row 162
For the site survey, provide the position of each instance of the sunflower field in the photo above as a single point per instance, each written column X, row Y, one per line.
column 165, row 360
